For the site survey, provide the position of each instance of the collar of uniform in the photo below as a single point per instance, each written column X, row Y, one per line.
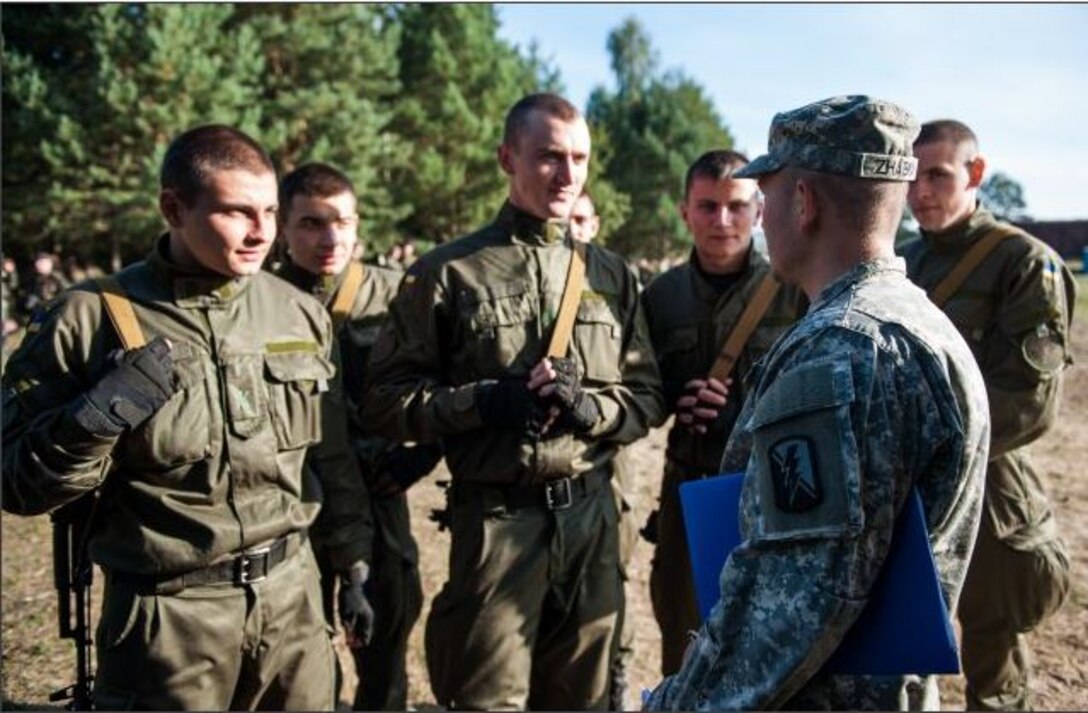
column 323, row 287
column 707, row 287
column 959, row 237
column 528, row 229
column 858, row 273
column 194, row 288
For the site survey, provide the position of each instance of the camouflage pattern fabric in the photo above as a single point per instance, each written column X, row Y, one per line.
column 873, row 392
column 848, row 135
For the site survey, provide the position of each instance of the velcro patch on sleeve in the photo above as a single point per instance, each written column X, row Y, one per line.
column 805, row 455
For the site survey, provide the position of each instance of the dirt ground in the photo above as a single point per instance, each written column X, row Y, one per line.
column 35, row 662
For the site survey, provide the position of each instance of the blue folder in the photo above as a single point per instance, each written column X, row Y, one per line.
column 905, row 626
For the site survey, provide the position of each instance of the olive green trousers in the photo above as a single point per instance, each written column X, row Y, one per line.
column 528, row 617
column 259, row 646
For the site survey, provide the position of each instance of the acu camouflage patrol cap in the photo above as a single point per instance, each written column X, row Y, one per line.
column 850, row 135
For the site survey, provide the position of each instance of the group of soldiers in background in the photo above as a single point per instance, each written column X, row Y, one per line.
column 252, row 452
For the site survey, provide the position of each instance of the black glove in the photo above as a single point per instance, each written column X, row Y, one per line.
column 580, row 412
column 356, row 614
column 401, row 466
column 506, row 404
column 128, row 395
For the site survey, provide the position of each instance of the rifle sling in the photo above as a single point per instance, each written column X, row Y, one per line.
column 345, row 296
column 734, row 343
column 120, row 312
column 568, row 307
column 967, row 264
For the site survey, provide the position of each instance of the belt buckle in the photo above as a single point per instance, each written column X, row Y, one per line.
column 245, row 565
column 558, row 494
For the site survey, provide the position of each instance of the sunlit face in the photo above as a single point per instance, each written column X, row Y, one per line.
column 547, row 165
column 721, row 215
column 230, row 227
column 783, row 243
column 584, row 222
column 946, row 189
column 321, row 232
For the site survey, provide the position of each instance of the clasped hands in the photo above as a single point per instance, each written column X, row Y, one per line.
column 702, row 404
column 551, row 401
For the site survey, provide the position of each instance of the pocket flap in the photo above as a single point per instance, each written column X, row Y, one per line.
column 502, row 311
column 812, row 387
column 594, row 308
column 286, row 367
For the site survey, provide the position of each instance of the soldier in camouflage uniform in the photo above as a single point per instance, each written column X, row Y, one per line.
column 692, row 309
column 871, row 394
column 195, row 443
column 1014, row 310
column 529, row 613
column 320, row 222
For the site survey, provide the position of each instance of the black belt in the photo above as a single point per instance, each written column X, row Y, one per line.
column 558, row 494
column 247, row 567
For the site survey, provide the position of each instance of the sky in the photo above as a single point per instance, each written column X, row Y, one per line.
column 1017, row 74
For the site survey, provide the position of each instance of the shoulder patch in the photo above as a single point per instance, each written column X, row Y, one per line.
column 797, row 485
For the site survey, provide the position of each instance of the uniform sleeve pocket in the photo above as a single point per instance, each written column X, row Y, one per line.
column 296, row 380
column 805, row 455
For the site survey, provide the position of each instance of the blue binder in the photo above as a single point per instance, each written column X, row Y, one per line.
column 905, row 628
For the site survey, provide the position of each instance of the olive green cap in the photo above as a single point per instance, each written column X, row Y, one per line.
column 851, row 136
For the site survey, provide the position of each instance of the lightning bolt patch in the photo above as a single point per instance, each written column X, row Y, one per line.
column 793, row 470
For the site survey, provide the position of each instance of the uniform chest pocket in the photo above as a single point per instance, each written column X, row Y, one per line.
column 500, row 329
column 598, row 340
column 296, row 381
column 180, row 432
column 805, row 455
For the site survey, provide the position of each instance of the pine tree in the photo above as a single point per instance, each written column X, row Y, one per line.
column 657, row 125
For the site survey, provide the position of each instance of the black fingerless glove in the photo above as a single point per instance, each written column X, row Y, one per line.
column 580, row 412
column 128, row 395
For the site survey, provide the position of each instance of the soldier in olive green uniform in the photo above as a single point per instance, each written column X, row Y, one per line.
column 1014, row 310
column 584, row 226
column 320, row 222
column 528, row 616
column 195, row 443
column 691, row 310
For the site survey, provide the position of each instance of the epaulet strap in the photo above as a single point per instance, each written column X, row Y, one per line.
column 967, row 264
column 345, row 296
column 568, row 307
column 742, row 330
column 119, row 308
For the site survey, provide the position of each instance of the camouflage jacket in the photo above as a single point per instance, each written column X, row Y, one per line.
column 219, row 467
column 690, row 320
column 1014, row 310
column 873, row 392
column 482, row 308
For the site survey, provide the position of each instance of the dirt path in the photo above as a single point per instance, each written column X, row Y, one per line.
column 35, row 662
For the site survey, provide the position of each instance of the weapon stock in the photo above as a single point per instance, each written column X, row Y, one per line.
column 73, row 574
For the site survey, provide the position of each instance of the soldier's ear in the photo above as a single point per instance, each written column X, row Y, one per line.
column 806, row 206
column 505, row 155
column 170, row 207
column 976, row 170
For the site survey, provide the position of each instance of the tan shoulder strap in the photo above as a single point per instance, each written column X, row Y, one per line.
column 975, row 255
column 345, row 296
column 568, row 307
column 744, row 327
column 120, row 311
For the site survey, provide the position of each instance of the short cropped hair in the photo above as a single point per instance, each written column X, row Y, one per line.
column 317, row 180
column 588, row 196
column 947, row 130
column 518, row 116
column 864, row 205
column 192, row 158
column 715, row 165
